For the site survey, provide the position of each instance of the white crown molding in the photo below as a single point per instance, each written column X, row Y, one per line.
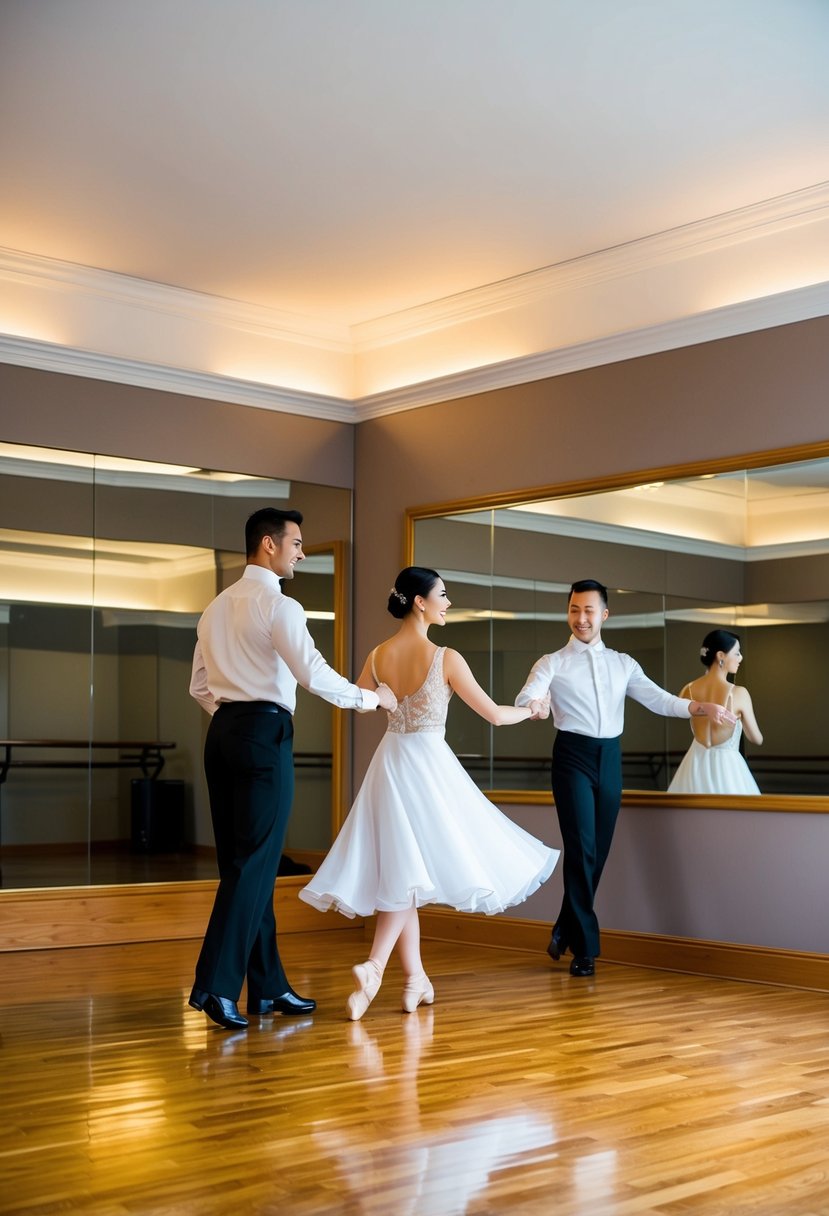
column 766, row 312
column 718, row 232
column 48, row 356
column 783, row 308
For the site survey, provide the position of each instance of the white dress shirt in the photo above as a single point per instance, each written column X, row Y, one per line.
column 588, row 684
column 254, row 645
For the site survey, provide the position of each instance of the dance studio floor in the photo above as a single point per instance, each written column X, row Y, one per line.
column 521, row 1091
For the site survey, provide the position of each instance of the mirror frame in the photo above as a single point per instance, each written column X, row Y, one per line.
column 339, row 717
column 808, row 803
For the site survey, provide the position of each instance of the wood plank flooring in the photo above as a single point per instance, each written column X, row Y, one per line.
column 521, row 1091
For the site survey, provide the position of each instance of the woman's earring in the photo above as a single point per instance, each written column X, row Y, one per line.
column 721, row 664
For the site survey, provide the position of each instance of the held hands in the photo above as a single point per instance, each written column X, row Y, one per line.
column 540, row 709
column 717, row 713
column 386, row 697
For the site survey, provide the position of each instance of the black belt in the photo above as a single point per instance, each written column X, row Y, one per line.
column 251, row 707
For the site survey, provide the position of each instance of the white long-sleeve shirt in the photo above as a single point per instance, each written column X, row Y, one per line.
column 588, row 684
column 254, row 645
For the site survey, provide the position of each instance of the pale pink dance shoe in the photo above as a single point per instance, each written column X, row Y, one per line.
column 367, row 980
column 418, row 990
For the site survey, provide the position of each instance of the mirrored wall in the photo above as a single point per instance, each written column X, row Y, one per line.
column 106, row 566
column 746, row 550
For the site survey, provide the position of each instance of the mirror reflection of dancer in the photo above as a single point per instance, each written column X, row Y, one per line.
column 713, row 764
column 585, row 684
column 420, row 831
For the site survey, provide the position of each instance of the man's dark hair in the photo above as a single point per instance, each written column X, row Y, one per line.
column 269, row 521
column 588, row 584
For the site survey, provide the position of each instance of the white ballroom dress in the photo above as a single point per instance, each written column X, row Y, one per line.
column 714, row 770
column 421, row 832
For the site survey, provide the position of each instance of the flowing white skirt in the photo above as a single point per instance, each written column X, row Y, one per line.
column 713, row 770
column 421, row 832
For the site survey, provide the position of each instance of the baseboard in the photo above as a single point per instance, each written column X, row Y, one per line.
column 721, row 960
column 47, row 918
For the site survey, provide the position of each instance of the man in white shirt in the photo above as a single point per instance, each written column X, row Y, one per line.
column 585, row 685
column 253, row 648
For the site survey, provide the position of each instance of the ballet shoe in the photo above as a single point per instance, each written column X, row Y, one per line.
column 418, row 990
column 367, row 980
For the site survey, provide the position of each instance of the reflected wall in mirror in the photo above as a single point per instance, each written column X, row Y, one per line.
column 745, row 550
column 106, row 566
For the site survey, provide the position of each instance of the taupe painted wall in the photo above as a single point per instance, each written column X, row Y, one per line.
column 54, row 410
column 756, row 392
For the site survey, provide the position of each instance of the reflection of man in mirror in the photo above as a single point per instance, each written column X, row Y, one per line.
column 253, row 649
column 585, row 685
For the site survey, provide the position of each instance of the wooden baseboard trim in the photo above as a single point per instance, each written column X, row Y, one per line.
column 720, row 960
column 49, row 918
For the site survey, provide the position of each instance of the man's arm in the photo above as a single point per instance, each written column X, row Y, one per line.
column 536, row 690
column 295, row 646
column 656, row 699
column 198, row 682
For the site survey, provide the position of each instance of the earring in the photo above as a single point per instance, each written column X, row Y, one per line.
column 721, row 664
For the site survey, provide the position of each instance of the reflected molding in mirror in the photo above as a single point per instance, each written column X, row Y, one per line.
column 599, row 493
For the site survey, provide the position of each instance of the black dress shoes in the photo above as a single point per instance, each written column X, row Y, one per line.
column 288, row 1003
column 582, row 965
column 220, row 1009
column 557, row 946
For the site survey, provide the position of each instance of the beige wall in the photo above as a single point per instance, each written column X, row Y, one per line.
column 755, row 392
column 727, row 876
column 54, row 410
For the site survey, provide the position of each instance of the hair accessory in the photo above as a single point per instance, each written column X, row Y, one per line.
column 398, row 595
column 703, row 651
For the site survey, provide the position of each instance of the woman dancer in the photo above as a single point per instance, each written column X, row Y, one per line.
column 713, row 764
column 420, row 831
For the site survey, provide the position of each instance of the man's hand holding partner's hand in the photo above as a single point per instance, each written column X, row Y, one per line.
column 386, row 697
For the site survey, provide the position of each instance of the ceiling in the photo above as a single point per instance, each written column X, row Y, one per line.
column 338, row 161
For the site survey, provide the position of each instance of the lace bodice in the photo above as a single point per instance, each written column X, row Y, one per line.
column 426, row 708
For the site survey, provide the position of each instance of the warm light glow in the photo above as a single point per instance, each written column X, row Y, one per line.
column 20, row 452
column 35, row 331
column 48, row 568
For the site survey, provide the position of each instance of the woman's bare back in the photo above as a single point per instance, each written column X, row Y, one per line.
column 404, row 663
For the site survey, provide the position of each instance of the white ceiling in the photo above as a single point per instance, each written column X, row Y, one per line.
column 342, row 160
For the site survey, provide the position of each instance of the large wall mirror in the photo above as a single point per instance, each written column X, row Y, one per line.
column 745, row 549
column 106, row 566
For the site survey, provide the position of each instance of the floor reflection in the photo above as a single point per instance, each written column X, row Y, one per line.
column 433, row 1165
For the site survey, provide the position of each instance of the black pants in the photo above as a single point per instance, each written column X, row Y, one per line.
column 248, row 762
column 587, row 788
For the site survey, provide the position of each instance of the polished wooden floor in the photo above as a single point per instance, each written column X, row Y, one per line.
column 520, row 1091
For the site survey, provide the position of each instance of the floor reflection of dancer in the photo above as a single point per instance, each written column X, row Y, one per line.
column 713, row 763
column 420, row 830
column 432, row 1163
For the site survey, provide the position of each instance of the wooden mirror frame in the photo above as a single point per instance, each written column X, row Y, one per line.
column 818, row 804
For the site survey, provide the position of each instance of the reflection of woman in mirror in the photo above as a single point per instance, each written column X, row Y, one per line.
column 713, row 764
column 420, row 830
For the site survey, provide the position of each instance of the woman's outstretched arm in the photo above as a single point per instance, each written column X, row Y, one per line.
column 457, row 674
